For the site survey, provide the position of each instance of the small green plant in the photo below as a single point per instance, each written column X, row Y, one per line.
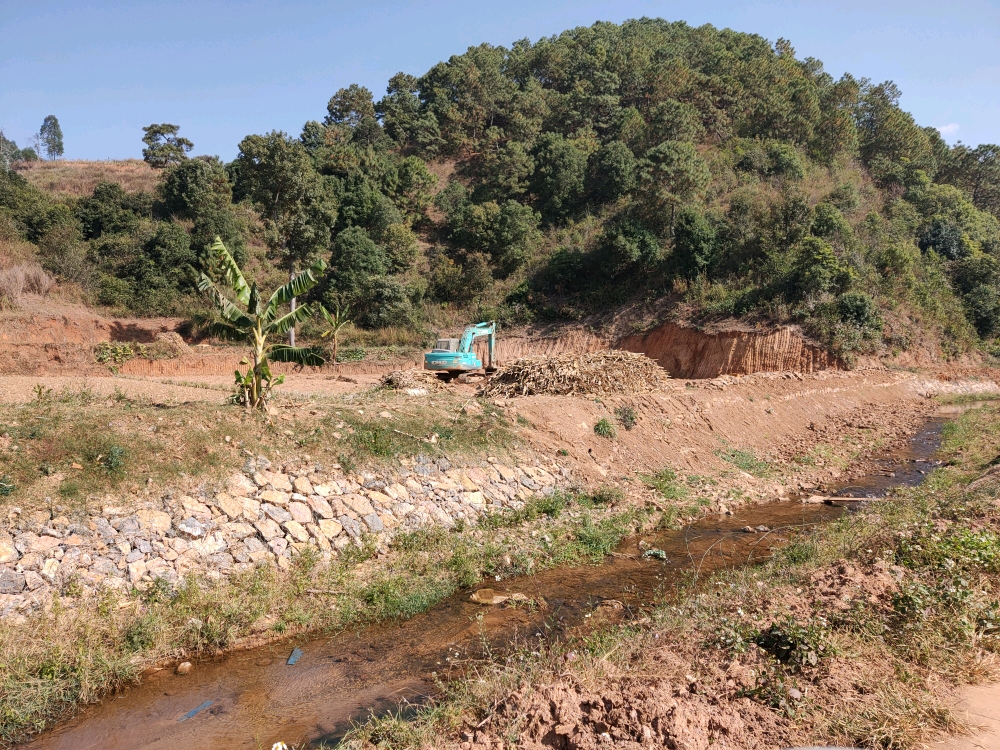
column 746, row 461
column 7, row 486
column 114, row 462
column 605, row 428
column 339, row 318
column 627, row 417
column 118, row 353
column 793, row 644
column 43, row 395
column 666, row 483
column 352, row 354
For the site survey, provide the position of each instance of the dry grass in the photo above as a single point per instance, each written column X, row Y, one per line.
column 598, row 373
column 79, row 178
column 28, row 278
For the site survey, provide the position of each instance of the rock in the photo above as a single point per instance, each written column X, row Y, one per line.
column 275, row 513
column 259, row 479
column 330, row 528
column 762, row 527
column 268, row 529
column 190, row 527
column 352, row 527
column 43, row 544
column 274, row 498
column 487, row 596
column 320, row 507
column 303, row 486
column 195, row 508
column 508, row 475
column 239, row 530
column 278, row 545
column 377, row 497
column 474, row 498
column 153, row 520
column 11, row 582
column 279, row 482
column 794, row 694
column 301, row 512
column 816, row 499
column 374, row 522
column 402, row 510
column 33, row 581
column 358, row 504
column 210, row 545
column 184, row 667
column 7, row 552
column 251, row 508
column 297, row 531
column 229, row 506
column 321, row 541
column 134, row 555
column 240, row 484
column 136, row 571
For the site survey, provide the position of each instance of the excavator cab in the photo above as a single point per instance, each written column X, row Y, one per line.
column 453, row 357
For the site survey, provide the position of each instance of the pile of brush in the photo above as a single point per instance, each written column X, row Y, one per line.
column 603, row 373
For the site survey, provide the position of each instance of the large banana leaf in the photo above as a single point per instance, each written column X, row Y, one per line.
column 230, row 271
column 226, row 308
column 298, row 355
column 226, row 332
column 298, row 286
column 286, row 321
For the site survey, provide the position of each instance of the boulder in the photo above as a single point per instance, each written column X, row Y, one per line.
column 300, row 512
column 153, row 520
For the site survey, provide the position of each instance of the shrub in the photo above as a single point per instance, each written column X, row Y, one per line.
column 627, row 417
column 605, row 428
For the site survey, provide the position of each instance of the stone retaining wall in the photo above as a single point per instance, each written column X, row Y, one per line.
column 265, row 516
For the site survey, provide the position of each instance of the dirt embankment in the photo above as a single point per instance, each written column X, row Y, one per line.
column 689, row 353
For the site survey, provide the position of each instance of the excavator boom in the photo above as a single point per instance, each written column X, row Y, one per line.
column 451, row 357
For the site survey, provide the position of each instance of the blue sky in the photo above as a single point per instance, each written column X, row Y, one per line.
column 222, row 70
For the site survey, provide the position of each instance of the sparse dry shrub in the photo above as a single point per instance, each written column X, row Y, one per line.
column 36, row 281
column 27, row 278
column 11, row 286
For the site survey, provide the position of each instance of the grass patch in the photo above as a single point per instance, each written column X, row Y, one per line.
column 745, row 460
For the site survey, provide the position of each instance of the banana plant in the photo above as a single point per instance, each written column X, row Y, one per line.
column 339, row 318
column 257, row 322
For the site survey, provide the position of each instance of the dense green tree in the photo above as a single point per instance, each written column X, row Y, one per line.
column 163, row 146
column 276, row 173
column 350, row 106
column 560, row 175
column 672, row 173
column 613, row 172
column 695, row 244
column 51, row 137
column 889, row 139
column 110, row 210
column 198, row 190
column 977, row 172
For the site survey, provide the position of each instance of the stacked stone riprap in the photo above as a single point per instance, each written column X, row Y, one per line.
column 264, row 516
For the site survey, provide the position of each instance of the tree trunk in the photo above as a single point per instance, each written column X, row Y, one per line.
column 291, row 331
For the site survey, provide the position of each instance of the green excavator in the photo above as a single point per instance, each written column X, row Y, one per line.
column 453, row 357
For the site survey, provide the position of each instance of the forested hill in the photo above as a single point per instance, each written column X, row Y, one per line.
column 702, row 173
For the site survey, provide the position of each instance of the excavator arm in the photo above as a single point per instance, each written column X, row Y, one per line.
column 473, row 332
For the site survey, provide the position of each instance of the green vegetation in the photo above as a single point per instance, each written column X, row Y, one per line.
column 260, row 320
column 645, row 160
column 745, row 461
column 605, row 428
column 626, row 417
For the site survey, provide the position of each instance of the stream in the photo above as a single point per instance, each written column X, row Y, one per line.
column 252, row 699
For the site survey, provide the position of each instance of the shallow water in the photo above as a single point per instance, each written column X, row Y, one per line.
column 255, row 699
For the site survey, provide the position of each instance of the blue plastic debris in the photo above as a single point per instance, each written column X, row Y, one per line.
column 195, row 711
column 296, row 653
